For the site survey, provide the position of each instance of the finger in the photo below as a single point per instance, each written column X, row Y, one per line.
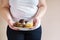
column 15, row 28
column 34, row 22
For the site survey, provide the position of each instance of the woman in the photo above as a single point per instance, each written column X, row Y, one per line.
column 13, row 10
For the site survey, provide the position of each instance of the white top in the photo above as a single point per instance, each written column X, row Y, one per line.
column 23, row 9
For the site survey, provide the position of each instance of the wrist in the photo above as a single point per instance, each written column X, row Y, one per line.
column 36, row 17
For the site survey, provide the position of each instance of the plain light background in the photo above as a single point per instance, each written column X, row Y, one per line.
column 50, row 22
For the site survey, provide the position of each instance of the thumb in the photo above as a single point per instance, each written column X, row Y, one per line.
column 34, row 21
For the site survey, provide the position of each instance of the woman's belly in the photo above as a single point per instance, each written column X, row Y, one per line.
column 22, row 12
column 23, row 8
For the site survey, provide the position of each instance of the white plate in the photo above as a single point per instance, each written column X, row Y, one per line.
column 25, row 29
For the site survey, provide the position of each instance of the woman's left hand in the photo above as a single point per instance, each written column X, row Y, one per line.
column 35, row 21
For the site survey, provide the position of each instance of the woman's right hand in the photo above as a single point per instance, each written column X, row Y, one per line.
column 10, row 23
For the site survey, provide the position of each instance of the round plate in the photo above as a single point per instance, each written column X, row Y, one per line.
column 25, row 29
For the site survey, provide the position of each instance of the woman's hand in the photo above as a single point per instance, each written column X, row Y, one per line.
column 35, row 21
column 10, row 23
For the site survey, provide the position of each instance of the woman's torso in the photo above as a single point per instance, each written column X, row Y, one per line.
column 23, row 9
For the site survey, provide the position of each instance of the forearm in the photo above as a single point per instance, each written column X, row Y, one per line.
column 5, row 14
column 40, row 12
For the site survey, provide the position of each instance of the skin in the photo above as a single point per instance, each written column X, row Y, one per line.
column 5, row 12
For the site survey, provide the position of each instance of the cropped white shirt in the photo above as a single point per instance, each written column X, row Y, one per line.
column 23, row 9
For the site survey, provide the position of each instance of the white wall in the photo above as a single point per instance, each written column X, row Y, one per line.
column 50, row 22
